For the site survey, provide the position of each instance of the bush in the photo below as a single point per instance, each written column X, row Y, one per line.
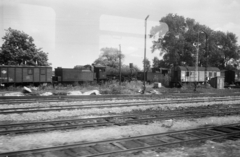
column 110, row 89
column 126, row 87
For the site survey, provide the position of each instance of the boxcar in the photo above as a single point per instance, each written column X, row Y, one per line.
column 187, row 74
column 237, row 77
column 231, row 77
column 13, row 74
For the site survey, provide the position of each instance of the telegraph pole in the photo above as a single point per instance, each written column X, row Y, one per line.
column 196, row 63
column 144, row 64
column 120, row 69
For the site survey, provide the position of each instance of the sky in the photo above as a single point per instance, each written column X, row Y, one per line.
column 73, row 32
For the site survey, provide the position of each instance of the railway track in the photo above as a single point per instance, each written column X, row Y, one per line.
column 133, row 144
column 36, row 99
column 48, row 108
column 60, row 98
column 119, row 120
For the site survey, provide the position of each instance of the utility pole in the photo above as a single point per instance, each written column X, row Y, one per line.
column 144, row 64
column 131, row 68
column 196, row 63
column 206, row 78
column 120, row 69
column 207, row 49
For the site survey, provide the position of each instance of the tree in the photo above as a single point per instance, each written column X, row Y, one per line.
column 110, row 58
column 155, row 62
column 224, row 51
column 147, row 65
column 160, row 63
column 126, row 71
column 177, row 48
column 176, row 45
column 18, row 48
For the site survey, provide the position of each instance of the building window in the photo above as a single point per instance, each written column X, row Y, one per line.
column 30, row 71
column 42, row 71
column 215, row 74
column 187, row 73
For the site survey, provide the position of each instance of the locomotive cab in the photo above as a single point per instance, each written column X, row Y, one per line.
column 100, row 72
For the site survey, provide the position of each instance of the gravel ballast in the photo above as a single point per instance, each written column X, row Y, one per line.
column 39, row 140
column 96, row 112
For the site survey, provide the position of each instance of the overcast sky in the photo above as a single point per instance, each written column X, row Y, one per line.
column 74, row 31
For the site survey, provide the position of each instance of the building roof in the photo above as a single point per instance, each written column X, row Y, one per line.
column 188, row 68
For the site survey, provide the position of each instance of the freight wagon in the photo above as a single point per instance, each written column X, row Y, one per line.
column 232, row 77
column 15, row 74
column 187, row 74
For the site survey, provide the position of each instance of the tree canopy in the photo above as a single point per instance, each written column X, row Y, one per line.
column 147, row 65
column 158, row 63
column 18, row 48
column 177, row 45
column 110, row 58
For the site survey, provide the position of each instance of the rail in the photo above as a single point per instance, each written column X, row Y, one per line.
column 137, row 143
column 49, row 108
column 19, row 128
column 57, row 98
